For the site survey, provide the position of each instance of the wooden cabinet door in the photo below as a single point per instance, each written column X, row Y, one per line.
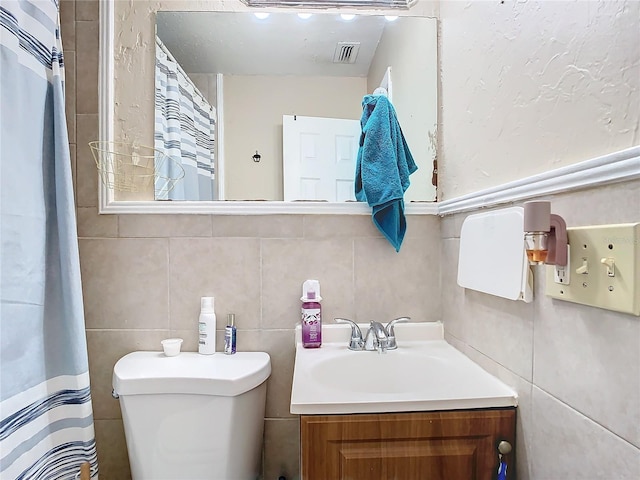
column 451, row 445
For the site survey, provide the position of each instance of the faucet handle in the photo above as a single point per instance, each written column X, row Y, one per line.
column 391, row 334
column 356, row 342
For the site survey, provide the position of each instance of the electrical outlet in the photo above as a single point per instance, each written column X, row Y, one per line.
column 562, row 275
column 604, row 266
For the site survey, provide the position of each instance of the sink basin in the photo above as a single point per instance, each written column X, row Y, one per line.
column 370, row 372
column 425, row 373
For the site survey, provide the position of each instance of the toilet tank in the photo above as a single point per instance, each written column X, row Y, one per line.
column 193, row 416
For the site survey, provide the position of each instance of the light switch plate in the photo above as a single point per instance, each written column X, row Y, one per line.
column 594, row 247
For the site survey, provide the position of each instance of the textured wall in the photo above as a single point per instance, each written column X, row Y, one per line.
column 528, row 87
column 143, row 275
column 531, row 86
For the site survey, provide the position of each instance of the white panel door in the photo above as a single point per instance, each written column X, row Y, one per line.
column 319, row 158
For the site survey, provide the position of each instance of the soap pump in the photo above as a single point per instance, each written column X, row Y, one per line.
column 311, row 314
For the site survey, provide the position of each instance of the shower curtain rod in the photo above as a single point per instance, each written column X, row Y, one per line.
column 173, row 59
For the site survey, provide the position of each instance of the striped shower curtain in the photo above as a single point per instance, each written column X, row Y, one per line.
column 184, row 130
column 46, row 420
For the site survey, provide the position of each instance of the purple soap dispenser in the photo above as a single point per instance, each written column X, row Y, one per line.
column 311, row 314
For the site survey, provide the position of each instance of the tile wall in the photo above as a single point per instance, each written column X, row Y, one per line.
column 143, row 275
column 576, row 368
column 549, row 84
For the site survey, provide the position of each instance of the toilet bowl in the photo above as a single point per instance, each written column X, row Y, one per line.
column 192, row 416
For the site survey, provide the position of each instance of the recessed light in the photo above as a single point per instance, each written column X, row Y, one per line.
column 262, row 15
column 304, row 16
column 391, row 18
column 347, row 16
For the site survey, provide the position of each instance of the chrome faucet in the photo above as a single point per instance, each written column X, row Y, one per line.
column 376, row 338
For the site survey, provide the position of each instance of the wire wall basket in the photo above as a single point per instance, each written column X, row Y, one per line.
column 134, row 168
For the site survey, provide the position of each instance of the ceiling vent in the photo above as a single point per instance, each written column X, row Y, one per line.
column 346, row 52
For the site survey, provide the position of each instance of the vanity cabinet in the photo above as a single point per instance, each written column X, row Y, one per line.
column 443, row 445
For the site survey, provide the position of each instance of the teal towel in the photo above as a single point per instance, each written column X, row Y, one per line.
column 383, row 167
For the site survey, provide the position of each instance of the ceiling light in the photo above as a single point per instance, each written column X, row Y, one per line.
column 386, row 4
column 391, row 18
column 347, row 16
column 304, row 16
column 262, row 15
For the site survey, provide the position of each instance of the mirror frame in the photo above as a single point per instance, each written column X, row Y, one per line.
column 106, row 196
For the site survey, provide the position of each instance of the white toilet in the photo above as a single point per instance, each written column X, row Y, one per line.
column 192, row 416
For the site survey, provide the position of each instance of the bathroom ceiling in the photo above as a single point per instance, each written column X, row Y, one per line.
column 282, row 44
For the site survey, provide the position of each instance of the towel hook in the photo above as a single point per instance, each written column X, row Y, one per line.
column 380, row 91
column 257, row 157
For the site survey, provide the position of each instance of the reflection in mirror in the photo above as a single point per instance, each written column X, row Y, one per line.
column 290, row 89
column 184, row 129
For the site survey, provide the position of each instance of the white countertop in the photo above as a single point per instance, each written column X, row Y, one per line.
column 425, row 373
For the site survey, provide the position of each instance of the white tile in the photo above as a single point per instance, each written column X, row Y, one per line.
column 86, row 170
column 113, row 460
column 501, row 329
column 225, row 268
column 332, row 226
column 287, row 263
column 92, row 224
column 568, row 445
column 87, row 44
column 452, row 224
column 524, row 417
column 590, row 359
column 68, row 26
column 87, row 9
column 258, row 226
column 125, row 282
column 424, row 226
column 279, row 344
column 391, row 284
column 282, row 448
column 164, row 225
column 455, row 317
column 617, row 203
column 448, row 226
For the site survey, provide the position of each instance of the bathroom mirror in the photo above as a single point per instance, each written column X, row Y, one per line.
column 249, row 68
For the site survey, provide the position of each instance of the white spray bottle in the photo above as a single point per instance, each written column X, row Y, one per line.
column 207, row 327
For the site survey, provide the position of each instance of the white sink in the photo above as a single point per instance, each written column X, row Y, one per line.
column 371, row 372
column 425, row 373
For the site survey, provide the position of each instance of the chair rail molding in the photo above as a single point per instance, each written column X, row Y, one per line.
column 621, row 166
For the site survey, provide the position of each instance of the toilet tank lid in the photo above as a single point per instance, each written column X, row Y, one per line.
column 140, row 373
